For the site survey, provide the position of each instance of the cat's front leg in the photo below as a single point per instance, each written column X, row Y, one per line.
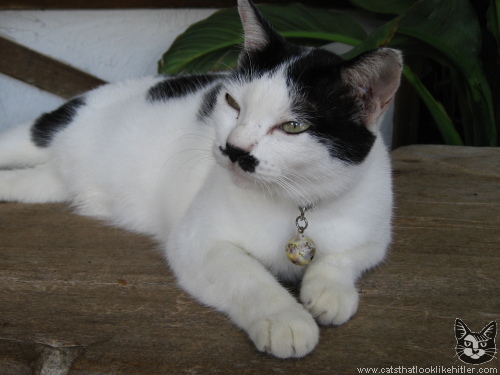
column 328, row 288
column 329, row 295
column 232, row 281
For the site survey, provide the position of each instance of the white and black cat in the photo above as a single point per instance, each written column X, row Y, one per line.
column 475, row 348
column 217, row 167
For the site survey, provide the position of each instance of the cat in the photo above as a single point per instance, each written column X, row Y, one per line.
column 475, row 348
column 218, row 166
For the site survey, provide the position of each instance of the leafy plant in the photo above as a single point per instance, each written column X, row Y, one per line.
column 455, row 36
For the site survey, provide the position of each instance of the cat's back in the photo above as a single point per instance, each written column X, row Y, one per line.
column 141, row 105
column 124, row 138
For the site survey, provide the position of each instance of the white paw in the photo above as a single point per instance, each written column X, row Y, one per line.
column 329, row 304
column 291, row 333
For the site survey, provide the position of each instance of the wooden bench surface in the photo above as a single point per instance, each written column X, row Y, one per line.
column 79, row 296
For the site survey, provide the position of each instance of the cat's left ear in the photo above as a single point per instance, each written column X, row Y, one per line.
column 374, row 78
column 259, row 34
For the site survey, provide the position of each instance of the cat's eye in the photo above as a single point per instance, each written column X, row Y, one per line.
column 230, row 100
column 483, row 344
column 467, row 344
column 294, row 127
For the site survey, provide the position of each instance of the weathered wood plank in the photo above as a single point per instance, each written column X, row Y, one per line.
column 69, row 282
column 44, row 72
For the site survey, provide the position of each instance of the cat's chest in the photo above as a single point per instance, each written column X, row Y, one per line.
column 254, row 221
column 259, row 226
column 264, row 232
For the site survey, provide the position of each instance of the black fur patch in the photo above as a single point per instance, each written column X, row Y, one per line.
column 328, row 104
column 177, row 87
column 208, row 102
column 47, row 125
column 246, row 161
column 253, row 65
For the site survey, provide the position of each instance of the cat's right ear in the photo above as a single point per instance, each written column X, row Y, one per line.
column 461, row 329
column 259, row 34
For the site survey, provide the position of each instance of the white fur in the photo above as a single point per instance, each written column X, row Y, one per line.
column 156, row 168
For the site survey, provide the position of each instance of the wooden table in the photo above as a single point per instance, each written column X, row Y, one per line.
column 79, row 296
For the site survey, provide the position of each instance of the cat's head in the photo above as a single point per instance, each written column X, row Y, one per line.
column 475, row 348
column 299, row 121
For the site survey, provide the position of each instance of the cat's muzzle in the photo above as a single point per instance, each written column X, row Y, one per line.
column 246, row 161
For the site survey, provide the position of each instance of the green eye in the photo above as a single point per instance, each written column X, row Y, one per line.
column 294, row 127
column 230, row 100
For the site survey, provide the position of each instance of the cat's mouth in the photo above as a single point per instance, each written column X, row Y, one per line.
column 241, row 178
column 474, row 354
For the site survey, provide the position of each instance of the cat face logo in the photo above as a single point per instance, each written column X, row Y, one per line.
column 475, row 348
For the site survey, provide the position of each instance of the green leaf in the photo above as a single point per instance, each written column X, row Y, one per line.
column 384, row 6
column 381, row 37
column 300, row 21
column 201, row 46
column 457, row 38
column 428, row 29
column 452, row 29
column 493, row 19
column 436, row 109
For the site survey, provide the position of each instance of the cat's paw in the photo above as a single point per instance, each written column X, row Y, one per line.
column 289, row 334
column 329, row 304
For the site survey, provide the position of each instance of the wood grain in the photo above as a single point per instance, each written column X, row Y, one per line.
column 43, row 71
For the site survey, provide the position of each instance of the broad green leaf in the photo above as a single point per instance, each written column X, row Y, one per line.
column 300, row 21
column 452, row 28
column 493, row 19
column 455, row 41
column 457, row 38
column 381, row 37
column 384, row 6
column 199, row 48
column 436, row 109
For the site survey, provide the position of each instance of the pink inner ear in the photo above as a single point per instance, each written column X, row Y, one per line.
column 375, row 79
column 255, row 35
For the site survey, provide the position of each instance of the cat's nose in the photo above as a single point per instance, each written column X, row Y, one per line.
column 234, row 153
column 246, row 161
